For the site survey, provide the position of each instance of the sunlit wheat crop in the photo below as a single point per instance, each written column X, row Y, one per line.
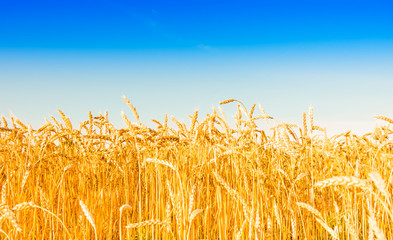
column 206, row 179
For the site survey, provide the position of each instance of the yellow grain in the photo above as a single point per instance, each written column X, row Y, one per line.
column 132, row 107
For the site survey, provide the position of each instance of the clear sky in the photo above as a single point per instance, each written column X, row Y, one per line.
column 177, row 56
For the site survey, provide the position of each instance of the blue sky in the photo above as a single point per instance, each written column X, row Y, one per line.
column 177, row 56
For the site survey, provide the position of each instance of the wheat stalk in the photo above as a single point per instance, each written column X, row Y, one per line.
column 122, row 208
column 8, row 236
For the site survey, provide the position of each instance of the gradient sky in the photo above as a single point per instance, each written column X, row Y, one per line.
column 177, row 56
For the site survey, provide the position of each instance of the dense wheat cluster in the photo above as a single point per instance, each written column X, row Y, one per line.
column 204, row 180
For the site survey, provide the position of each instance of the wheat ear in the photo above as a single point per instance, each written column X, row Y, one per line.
column 150, row 222
column 380, row 184
column 327, row 228
column 305, row 123
column 10, row 215
column 23, row 206
column 318, row 218
column 389, row 120
column 191, row 201
column 234, row 194
column 3, row 192
column 66, row 120
column 162, row 162
column 309, row 208
column 227, row 101
column 192, row 216
column 5, row 122
column 344, row 181
column 132, row 107
column 293, row 225
column 373, row 226
column 311, row 116
column 171, row 166
column 240, row 232
column 20, row 124
column 89, row 217
column 276, row 214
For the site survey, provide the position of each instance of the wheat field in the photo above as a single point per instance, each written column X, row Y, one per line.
column 205, row 180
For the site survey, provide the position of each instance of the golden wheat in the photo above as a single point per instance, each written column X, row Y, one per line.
column 211, row 179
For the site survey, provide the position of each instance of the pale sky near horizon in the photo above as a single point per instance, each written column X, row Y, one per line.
column 174, row 58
